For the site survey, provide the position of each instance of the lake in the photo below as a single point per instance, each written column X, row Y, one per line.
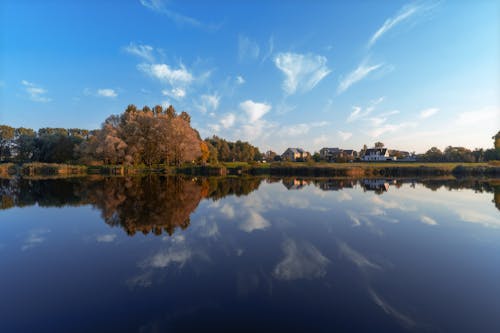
column 179, row 254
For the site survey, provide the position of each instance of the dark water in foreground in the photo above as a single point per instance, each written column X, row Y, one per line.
column 249, row 254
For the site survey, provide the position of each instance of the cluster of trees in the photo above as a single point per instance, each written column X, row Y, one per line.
column 460, row 154
column 227, row 151
column 145, row 136
column 51, row 145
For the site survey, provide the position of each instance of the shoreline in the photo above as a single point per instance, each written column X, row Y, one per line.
column 349, row 170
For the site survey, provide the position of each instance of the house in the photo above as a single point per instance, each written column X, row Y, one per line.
column 295, row 154
column 329, row 154
column 334, row 154
column 377, row 154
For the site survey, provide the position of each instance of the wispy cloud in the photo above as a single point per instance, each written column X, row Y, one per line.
column 175, row 93
column 357, row 258
column 240, row 79
column 301, row 261
column 480, row 116
column 106, row 92
column 106, row 238
column 270, row 50
column 362, row 71
column 35, row 238
column 404, row 319
column 35, row 92
column 428, row 220
column 208, row 103
column 299, row 129
column 360, row 113
column 426, row 113
column 254, row 110
column 228, row 120
column 247, row 49
column 160, row 6
column 404, row 14
column 390, row 128
column 302, row 71
column 141, row 50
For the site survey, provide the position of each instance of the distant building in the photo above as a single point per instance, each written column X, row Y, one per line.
column 295, row 154
column 377, row 154
column 334, row 154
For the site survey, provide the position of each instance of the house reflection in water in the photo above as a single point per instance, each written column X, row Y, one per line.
column 335, row 184
column 295, row 183
column 377, row 185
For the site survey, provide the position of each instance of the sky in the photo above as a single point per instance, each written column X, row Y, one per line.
column 310, row 74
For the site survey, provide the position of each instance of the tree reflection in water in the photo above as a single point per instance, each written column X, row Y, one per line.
column 150, row 204
column 156, row 204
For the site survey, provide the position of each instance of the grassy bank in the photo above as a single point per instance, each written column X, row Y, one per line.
column 303, row 169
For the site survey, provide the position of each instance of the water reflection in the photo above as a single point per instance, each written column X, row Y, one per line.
column 249, row 254
column 137, row 204
column 161, row 204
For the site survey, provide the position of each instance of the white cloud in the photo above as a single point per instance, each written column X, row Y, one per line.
column 345, row 135
column 357, row 75
column 36, row 93
column 299, row 129
column 428, row 220
column 404, row 14
column 240, row 79
column 228, row 120
column 176, row 93
column 426, row 113
column 208, row 103
column 162, row 259
column 175, row 77
column 107, row 93
column 473, row 216
column 254, row 110
column 247, row 49
column 143, row 51
column 254, row 221
column 228, row 211
column 106, row 238
column 301, row 261
column 302, row 71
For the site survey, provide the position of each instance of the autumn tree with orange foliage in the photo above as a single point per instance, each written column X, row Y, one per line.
column 147, row 136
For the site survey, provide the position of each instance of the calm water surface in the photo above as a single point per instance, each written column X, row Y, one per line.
column 249, row 255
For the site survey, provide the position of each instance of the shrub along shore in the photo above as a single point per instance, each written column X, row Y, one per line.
column 355, row 170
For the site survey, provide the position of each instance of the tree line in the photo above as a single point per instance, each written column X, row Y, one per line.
column 146, row 136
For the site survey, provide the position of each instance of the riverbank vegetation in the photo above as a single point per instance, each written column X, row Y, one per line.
column 160, row 140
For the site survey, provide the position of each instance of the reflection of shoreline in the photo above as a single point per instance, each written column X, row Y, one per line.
column 151, row 204
column 156, row 204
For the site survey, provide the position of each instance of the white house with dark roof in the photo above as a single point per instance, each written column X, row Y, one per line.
column 376, row 154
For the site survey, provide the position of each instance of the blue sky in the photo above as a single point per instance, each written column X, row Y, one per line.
column 298, row 73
